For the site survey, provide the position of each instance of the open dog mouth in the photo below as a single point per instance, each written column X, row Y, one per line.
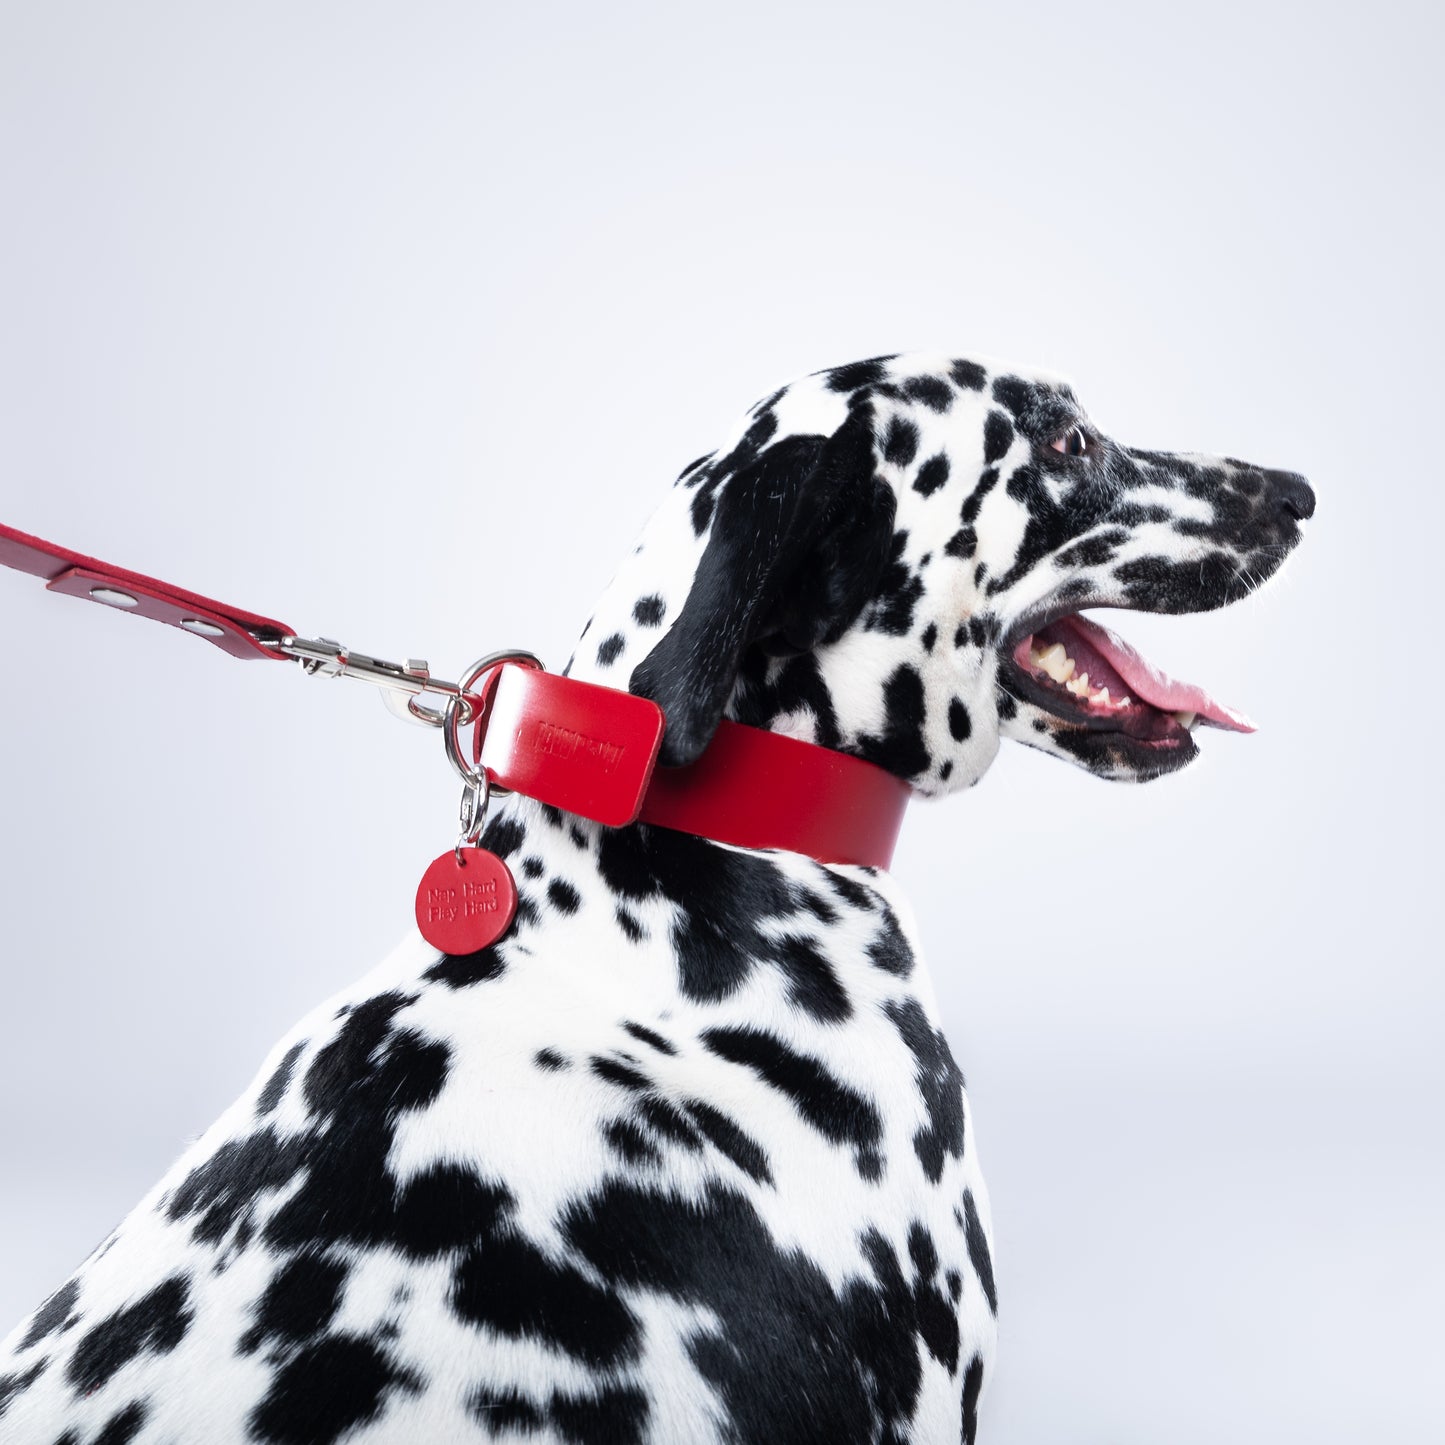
column 1084, row 673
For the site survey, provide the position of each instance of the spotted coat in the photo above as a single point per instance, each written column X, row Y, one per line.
column 686, row 1157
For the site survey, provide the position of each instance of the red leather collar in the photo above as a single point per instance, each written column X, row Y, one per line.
column 580, row 747
column 592, row 750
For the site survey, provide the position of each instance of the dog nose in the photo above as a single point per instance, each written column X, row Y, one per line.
column 1293, row 494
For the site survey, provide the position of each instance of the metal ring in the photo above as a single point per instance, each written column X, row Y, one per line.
column 473, row 813
column 459, row 715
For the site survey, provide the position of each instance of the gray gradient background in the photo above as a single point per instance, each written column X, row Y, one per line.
column 395, row 321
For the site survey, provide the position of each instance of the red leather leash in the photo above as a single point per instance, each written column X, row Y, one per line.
column 583, row 748
column 242, row 634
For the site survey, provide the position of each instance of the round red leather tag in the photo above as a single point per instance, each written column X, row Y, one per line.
column 466, row 900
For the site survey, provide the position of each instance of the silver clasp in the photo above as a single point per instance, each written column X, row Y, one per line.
column 402, row 683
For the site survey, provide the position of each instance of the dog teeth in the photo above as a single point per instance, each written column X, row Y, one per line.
column 1186, row 719
column 1056, row 662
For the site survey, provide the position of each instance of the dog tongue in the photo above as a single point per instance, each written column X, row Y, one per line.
column 1147, row 682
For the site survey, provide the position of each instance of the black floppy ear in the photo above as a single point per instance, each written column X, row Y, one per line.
column 799, row 539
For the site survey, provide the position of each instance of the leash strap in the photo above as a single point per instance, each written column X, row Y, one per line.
column 242, row 634
column 578, row 746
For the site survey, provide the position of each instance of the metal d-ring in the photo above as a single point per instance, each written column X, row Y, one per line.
column 459, row 714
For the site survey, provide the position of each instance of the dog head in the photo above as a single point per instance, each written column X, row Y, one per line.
column 890, row 559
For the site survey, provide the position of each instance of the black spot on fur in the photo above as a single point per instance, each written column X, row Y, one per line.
column 701, row 511
column 812, row 981
column 507, row 1411
column 987, row 481
column 945, row 770
column 338, row 1187
column 462, row 970
column 275, row 1086
column 326, row 1389
column 527, row 911
column 610, row 649
column 900, row 442
column 623, row 1075
column 969, row 375
column 963, row 544
column 932, row 392
column 972, row 1388
column 1093, row 551
column 563, row 896
column 550, row 1060
column 978, row 1252
column 533, row 867
column 122, row 1427
column 791, row 1358
column 615, row 1413
column 940, row 1086
column 1164, row 585
column 889, row 950
column 729, row 1140
column 900, row 749
column 510, row 1285
column 649, row 611
column 959, row 724
column 858, row 373
column 817, row 905
column 723, row 901
column 13, row 1386
column 668, row 1122
column 998, row 436
column 650, row 1037
column 298, row 1303
column 931, row 475
column 929, row 636
column 221, row 1195
column 834, row 1109
column 630, row 925
column 155, row 1324
column 630, row 1142
column 937, row 1319
column 503, row 836
column 853, row 893
column 53, row 1315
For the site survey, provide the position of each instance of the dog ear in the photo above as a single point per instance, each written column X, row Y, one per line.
column 799, row 539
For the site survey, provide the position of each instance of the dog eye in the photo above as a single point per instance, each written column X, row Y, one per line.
column 1073, row 443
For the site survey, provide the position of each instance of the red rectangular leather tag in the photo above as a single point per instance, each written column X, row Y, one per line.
column 583, row 748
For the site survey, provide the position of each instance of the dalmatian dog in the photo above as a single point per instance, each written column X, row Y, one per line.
column 685, row 1156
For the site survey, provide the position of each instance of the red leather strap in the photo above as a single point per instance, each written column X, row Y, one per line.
column 233, row 630
column 761, row 790
column 591, row 750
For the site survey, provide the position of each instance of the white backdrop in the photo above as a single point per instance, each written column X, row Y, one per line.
column 395, row 320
